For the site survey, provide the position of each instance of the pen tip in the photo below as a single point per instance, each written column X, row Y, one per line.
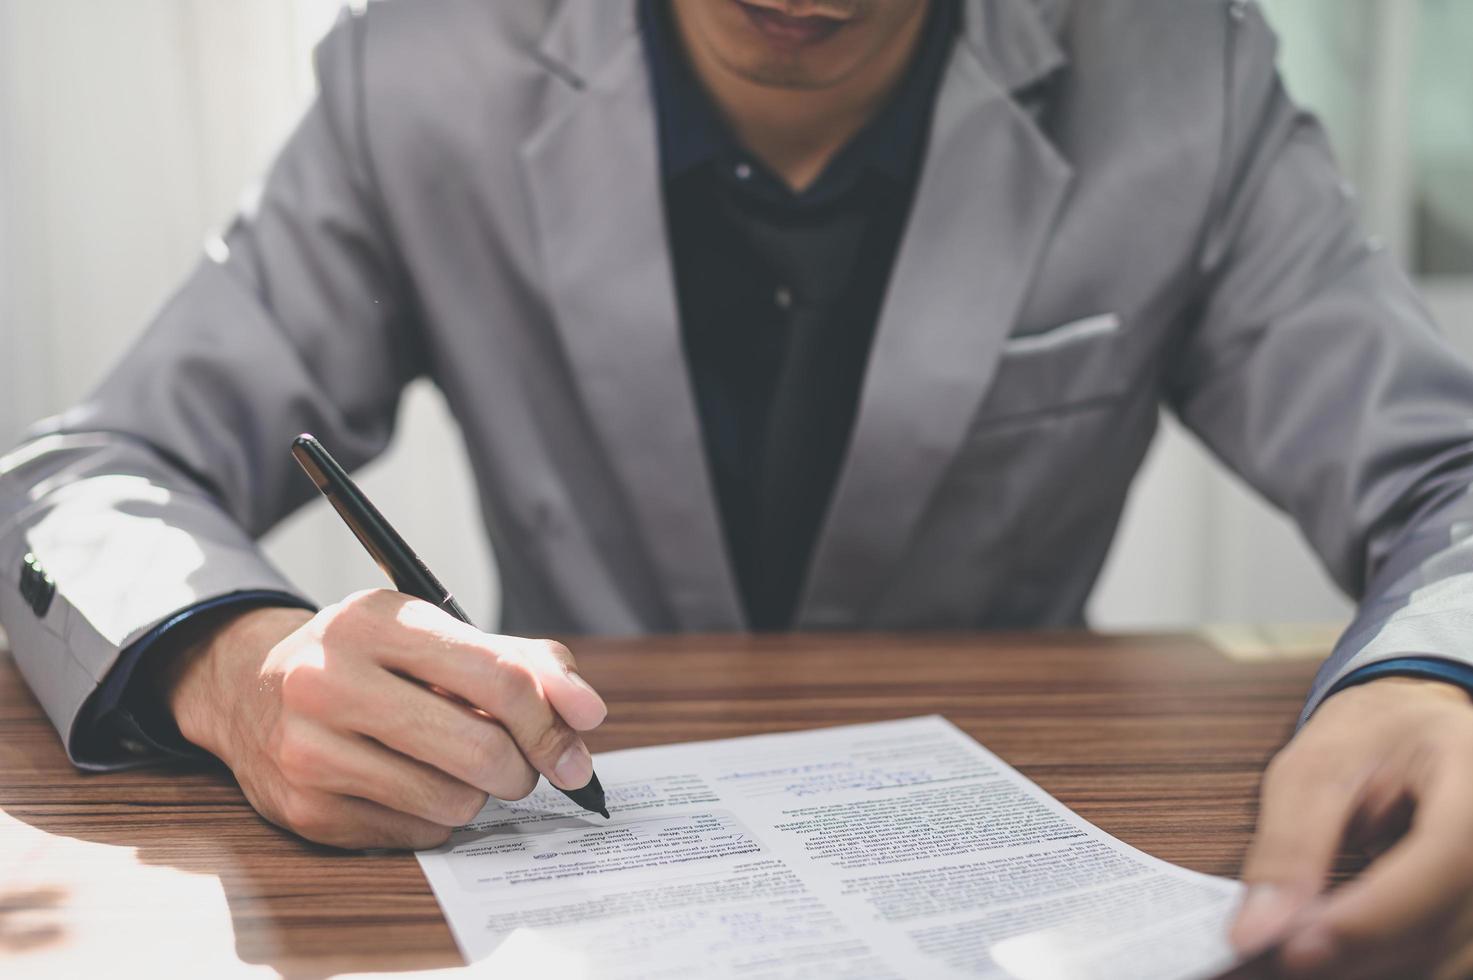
column 605, row 813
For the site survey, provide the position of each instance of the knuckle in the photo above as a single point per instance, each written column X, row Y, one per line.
column 521, row 783
column 513, row 681
column 358, row 623
column 372, row 598
column 467, row 807
column 449, row 804
column 547, row 744
column 297, row 758
column 327, row 615
column 305, row 816
column 315, row 827
column 509, row 776
column 422, row 617
column 359, row 607
column 304, row 689
column 489, row 751
column 556, row 650
column 352, row 605
column 338, row 629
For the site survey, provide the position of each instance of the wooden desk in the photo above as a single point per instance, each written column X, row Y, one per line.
column 1159, row 740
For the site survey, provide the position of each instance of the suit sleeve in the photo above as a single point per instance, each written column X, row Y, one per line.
column 1311, row 368
column 147, row 498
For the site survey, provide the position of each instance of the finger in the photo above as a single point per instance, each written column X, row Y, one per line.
column 571, row 695
column 1306, row 803
column 496, row 675
column 314, row 757
column 435, row 730
column 434, row 647
column 353, row 823
column 1402, row 903
column 1311, row 961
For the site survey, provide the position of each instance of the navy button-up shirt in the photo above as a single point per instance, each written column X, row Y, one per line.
column 779, row 292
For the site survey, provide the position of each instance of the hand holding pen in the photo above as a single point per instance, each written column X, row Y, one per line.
column 329, row 723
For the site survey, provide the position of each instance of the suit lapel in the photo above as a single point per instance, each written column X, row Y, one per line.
column 988, row 199
column 593, row 179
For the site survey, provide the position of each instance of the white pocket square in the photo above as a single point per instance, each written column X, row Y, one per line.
column 1064, row 333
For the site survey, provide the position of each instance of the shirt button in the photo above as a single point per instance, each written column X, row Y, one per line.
column 743, row 171
column 783, row 297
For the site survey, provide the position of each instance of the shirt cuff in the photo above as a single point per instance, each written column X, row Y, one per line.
column 1428, row 668
column 123, row 719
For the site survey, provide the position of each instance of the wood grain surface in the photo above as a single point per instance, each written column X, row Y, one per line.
column 1157, row 739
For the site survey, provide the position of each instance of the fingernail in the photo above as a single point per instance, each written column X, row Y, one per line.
column 1312, row 948
column 575, row 768
column 1266, row 910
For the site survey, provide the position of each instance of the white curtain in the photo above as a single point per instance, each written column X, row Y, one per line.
column 128, row 132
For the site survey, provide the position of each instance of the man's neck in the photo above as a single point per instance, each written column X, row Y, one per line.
column 796, row 132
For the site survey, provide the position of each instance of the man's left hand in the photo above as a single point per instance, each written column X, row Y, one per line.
column 1386, row 766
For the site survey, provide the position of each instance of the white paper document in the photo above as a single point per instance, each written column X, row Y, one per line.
column 898, row 849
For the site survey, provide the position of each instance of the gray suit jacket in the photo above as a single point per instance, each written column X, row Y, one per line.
column 1119, row 208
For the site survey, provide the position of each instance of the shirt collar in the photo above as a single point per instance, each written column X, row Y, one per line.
column 692, row 133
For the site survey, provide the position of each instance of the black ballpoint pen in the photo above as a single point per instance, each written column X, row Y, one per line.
column 403, row 567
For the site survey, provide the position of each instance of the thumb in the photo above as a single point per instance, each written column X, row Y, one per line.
column 571, row 696
column 1304, row 808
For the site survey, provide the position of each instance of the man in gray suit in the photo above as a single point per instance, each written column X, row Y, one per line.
column 769, row 314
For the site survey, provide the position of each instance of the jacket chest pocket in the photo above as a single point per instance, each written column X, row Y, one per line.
column 1071, row 367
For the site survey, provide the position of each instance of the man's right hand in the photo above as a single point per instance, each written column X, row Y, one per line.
column 327, row 731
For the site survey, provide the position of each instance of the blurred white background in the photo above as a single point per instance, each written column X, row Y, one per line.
column 129, row 130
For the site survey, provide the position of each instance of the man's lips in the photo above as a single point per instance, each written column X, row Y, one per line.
column 788, row 28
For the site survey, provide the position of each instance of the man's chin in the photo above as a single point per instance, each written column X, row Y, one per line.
column 789, row 76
